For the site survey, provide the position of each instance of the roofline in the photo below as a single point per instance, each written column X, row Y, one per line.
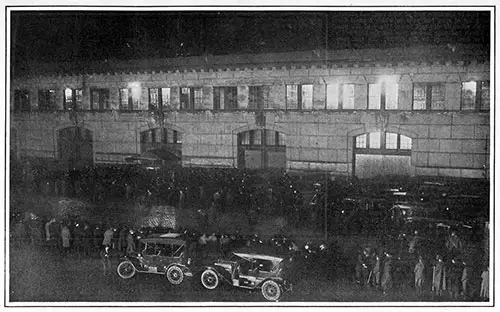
column 317, row 57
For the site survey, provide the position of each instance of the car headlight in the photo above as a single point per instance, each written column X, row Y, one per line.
column 189, row 261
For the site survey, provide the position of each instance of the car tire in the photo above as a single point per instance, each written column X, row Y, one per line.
column 175, row 275
column 209, row 279
column 271, row 290
column 125, row 269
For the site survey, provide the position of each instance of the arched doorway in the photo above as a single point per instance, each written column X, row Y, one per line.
column 261, row 149
column 75, row 147
column 160, row 147
column 382, row 154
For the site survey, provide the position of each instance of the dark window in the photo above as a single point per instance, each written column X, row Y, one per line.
column 22, row 101
column 256, row 97
column 428, row 96
column 72, row 99
column 99, row 99
column 47, row 100
column 225, row 98
column 475, row 95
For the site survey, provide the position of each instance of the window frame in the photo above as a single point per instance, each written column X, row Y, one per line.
column 429, row 100
column 382, row 99
column 382, row 150
column 300, row 96
column 104, row 103
column 73, row 105
column 230, row 103
column 49, row 97
column 478, row 105
column 21, row 105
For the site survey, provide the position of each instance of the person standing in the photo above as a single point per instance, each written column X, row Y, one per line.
column 66, row 237
column 386, row 281
column 466, row 273
column 485, row 284
column 419, row 275
column 376, row 272
column 454, row 277
column 130, row 242
column 438, row 277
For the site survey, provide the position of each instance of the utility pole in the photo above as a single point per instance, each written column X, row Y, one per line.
column 326, row 205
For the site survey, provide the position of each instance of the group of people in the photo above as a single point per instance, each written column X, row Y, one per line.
column 438, row 273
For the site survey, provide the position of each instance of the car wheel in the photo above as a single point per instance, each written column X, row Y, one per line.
column 175, row 275
column 125, row 269
column 271, row 290
column 209, row 279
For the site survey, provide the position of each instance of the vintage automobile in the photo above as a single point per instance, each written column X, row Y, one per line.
column 250, row 270
column 166, row 254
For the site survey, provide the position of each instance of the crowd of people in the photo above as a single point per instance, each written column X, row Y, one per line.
column 447, row 273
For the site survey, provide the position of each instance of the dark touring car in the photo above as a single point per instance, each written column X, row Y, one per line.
column 165, row 254
column 250, row 270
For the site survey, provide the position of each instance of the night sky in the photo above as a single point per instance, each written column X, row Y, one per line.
column 45, row 36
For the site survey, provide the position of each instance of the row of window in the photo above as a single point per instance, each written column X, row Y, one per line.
column 383, row 140
column 475, row 95
column 261, row 137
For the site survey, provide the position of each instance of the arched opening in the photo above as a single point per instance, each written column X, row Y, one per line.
column 75, row 147
column 160, row 147
column 261, row 149
column 382, row 154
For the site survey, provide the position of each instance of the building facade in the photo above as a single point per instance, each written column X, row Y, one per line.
column 421, row 111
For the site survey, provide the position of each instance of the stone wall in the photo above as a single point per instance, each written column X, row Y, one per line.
column 446, row 141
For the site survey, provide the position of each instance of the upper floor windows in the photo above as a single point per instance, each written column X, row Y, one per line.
column 428, row 96
column 47, row 100
column 256, row 97
column 22, row 101
column 129, row 100
column 383, row 96
column 340, row 96
column 299, row 96
column 99, row 99
column 475, row 95
column 72, row 99
column 225, row 98
column 159, row 99
column 191, row 98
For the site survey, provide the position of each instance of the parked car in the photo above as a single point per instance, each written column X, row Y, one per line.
column 250, row 270
column 166, row 254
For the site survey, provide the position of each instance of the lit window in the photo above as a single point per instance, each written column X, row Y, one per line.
column 125, row 99
column 391, row 96
column 307, row 96
column 485, row 95
column 405, row 142
column 348, row 96
column 292, row 96
column 165, row 98
column 391, row 140
column 361, row 141
column 374, row 140
column 270, row 137
column 257, row 137
column 198, row 98
column 469, row 95
column 374, row 92
column 72, row 99
column 153, row 99
column 281, row 139
column 332, row 96
column 245, row 138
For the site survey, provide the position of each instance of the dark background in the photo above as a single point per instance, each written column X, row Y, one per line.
column 52, row 36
